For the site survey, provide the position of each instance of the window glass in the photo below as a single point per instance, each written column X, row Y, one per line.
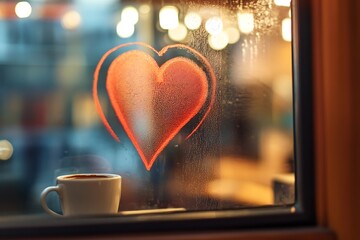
column 231, row 149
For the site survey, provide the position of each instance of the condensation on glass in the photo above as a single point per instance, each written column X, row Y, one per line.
column 240, row 157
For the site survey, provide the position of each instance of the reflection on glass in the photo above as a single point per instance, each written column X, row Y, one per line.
column 241, row 155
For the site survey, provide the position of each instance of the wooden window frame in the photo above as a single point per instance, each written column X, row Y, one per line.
column 334, row 44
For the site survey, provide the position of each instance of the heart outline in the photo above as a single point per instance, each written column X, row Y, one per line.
column 204, row 61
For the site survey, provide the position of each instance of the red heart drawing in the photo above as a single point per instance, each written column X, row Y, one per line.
column 154, row 103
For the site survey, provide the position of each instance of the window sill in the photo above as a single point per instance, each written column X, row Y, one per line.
column 273, row 234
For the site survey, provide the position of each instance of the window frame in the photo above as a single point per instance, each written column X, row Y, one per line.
column 302, row 214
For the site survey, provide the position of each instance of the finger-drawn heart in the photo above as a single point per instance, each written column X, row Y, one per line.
column 154, row 103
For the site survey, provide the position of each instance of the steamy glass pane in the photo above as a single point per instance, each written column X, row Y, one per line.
column 239, row 154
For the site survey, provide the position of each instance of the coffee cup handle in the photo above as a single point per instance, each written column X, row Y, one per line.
column 43, row 196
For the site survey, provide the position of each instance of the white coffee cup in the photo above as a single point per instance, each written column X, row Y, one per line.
column 85, row 194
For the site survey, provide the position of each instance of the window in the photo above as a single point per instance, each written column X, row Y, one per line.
column 243, row 153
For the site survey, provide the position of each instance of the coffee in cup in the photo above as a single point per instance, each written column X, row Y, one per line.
column 85, row 194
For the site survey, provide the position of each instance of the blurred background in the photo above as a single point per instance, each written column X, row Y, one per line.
column 240, row 157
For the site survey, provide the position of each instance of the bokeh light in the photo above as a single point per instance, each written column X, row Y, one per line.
column 169, row 17
column 286, row 29
column 144, row 8
column 233, row 34
column 192, row 20
column 6, row 150
column 125, row 29
column 71, row 20
column 218, row 41
column 130, row 14
column 284, row 3
column 23, row 9
column 178, row 34
column 246, row 22
column 214, row 25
